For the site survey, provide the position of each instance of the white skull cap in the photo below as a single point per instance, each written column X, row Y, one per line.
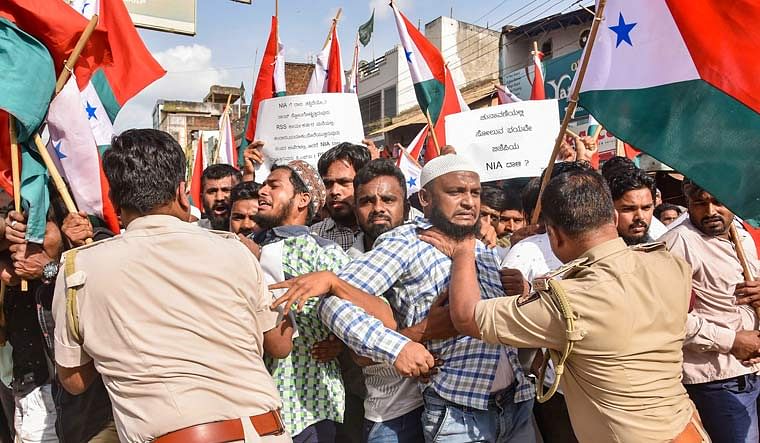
column 443, row 164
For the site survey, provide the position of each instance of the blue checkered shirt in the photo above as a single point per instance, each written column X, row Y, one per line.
column 411, row 274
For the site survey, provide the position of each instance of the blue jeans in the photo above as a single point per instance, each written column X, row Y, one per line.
column 404, row 429
column 504, row 421
column 728, row 408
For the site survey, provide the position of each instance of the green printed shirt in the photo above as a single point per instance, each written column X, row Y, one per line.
column 311, row 391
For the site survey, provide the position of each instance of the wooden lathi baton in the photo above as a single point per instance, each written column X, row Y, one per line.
column 733, row 234
column 55, row 175
column 16, row 175
column 572, row 103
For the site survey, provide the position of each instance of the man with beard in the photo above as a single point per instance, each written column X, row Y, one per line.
column 338, row 167
column 479, row 392
column 614, row 322
column 244, row 204
column 288, row 199
column 633, row 195
column 720, row 336
column 380, row 202
column 393, row 404
column 217, row 182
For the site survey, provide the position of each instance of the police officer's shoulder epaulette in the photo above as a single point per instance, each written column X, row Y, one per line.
column 648, row 247
column 566, row 270
column 90, row 245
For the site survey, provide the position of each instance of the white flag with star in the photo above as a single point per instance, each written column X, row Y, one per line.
column 73, row 145
column 408, row 161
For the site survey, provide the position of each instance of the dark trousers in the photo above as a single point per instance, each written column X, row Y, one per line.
column 728, row 408
column 553, row 420
column 350, row 431
column 320, row 432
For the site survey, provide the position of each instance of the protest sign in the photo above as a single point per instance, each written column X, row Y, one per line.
column 303, row 127
column 506, row 141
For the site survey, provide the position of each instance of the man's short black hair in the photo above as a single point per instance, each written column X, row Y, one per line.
column 513, row 200
column 616, row 166
column 666, row 207
column 298, row 187
column 244, row 191
column 144, row 167
column 220, row 171
column 381, row 167
column 531, row 190
column 493, row 197
column 577, row 202
column 357, row 155
column 624, row 181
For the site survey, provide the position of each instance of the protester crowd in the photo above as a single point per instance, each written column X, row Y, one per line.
column 321, row 305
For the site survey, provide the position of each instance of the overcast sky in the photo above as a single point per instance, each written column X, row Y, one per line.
column 229, row 34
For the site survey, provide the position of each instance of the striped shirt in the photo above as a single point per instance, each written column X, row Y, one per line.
column 411, row 274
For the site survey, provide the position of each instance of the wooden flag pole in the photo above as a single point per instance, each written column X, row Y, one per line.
column 432, row 133
column 78, row 48
column 60, row 186
column 16, row 175
column 225, row 115
column 619, row 148
column 572, row 103
column 733, row 234
column 54, row 174
column 570, row 132
column 737, row 241
column 334, row 24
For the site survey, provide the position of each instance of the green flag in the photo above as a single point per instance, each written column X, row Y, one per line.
column 28, row 78
column 365, row 30
column 35, row 196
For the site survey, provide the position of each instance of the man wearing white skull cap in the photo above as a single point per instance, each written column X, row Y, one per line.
column 480, row 392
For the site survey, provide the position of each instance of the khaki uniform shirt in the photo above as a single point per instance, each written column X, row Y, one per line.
column 173, row 317
column 715, row 319
column 622, row 382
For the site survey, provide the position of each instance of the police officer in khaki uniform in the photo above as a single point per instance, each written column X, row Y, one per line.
column 174, row 317
column 614, row 324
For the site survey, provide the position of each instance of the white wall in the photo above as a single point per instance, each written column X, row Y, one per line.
column 394, row 71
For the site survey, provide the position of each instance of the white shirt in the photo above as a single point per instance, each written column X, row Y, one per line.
column 533, row 257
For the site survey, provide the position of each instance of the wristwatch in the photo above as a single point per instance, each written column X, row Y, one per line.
column 50, row 271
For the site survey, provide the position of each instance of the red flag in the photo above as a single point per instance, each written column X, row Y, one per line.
column 434, row 87
column 133, row 66
column 452, row 103
column 537, row 92
column 265, row 83
column 58, row 27
column 595, row 160
column 755, row 233
column 335, row 75
column 109, row 212
column 630, row 151
column 195, row 181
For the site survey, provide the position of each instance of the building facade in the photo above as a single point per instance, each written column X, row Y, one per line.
column 386, row 93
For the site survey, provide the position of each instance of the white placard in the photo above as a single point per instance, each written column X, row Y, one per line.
column 506, row 141
column 303, row 127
